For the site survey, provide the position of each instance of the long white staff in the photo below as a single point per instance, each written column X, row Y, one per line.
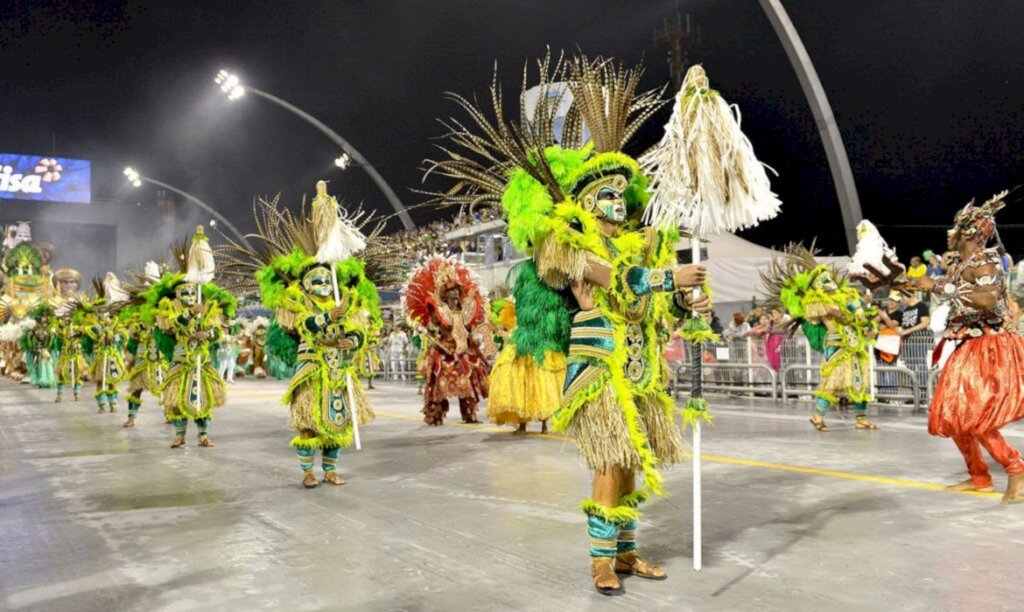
column 199, row 361
column 696, row 391
column 352, row 408
column 704, row 176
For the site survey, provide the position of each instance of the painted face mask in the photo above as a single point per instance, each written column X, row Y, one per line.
column 604, row 197
column 318, row 282
column 824, row 281
column 187, row 294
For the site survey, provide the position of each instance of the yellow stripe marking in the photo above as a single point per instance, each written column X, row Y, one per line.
column 898, row 482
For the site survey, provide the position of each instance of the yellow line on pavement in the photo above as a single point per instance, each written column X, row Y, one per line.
column 898, row 482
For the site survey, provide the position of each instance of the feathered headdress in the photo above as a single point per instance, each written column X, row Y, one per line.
column 425, row 290
column 977, row 223
column 526, row 167
column 790, row 276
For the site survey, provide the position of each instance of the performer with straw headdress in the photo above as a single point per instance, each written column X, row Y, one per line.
column 106, row 332
column 192, row 309
column 151, row 352
column 325, row 313
column 599, row 284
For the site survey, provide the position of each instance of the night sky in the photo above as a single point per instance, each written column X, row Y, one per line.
column 928, row 95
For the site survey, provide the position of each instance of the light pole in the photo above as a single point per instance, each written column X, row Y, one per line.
column 137, row 180
column 231, row 85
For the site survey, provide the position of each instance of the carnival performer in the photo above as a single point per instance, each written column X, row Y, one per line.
column 523, row 390
column 835, row 320
column 227, row 354
column 306, row 272
column 981, row 387
column 256, row 343
column 192, row 309
column 37, row 344
column 150, row 358
column 106, row 332
column 598, row 287
column 443, row 297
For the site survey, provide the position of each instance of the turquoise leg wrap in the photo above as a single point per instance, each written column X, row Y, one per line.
column 822, row 406
column 134, row 403
column 604, row 537
column 77, row 388
column 860, row 408
column 180, row 427
column 101, row 400
column 112, row 399
column 627, row 538
column 306, row 457
column 60, row 389
column 329, row 457
column 202, row 425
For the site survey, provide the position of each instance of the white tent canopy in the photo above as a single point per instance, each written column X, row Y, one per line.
column 735, row 265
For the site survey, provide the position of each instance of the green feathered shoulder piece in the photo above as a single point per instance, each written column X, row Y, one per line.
column 543, row 321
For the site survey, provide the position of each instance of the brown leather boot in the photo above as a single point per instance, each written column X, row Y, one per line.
column 309, row 479
column 178, row 442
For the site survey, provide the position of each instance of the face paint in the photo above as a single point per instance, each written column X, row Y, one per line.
column 187, row 294
column 318, row 282
column 604, row 197
column 67, row 288
column 610, row 205
column 825, row 282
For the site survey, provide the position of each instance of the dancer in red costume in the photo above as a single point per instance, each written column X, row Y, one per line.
column 981, row 388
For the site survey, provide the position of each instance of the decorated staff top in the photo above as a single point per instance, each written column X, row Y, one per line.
column 336, row 237
column 704, row 174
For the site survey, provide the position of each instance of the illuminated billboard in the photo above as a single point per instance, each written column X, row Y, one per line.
column 48, row 179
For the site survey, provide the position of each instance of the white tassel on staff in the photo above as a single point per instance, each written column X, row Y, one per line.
column 704, row 176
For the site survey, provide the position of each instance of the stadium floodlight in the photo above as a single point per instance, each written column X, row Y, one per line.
column 230, row 84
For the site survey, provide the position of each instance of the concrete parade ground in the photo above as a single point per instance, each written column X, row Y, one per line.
column 468, row 517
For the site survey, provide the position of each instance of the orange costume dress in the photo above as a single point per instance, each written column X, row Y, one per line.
column 981, row 388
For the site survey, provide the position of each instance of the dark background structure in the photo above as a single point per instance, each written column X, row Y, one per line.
column 928, row 95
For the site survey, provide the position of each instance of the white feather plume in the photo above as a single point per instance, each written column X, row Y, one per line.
column 113, row 290
column 337, row 238
column 704, row 173
column 152, row 272
column 871, row 249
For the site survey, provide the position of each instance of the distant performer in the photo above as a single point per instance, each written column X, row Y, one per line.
column 105, row 329
column 326, row 312
column 443, row 297
column 527, row 378
column 192, row 309
column 151, row 353
column 836, row 321
column 981, row 388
